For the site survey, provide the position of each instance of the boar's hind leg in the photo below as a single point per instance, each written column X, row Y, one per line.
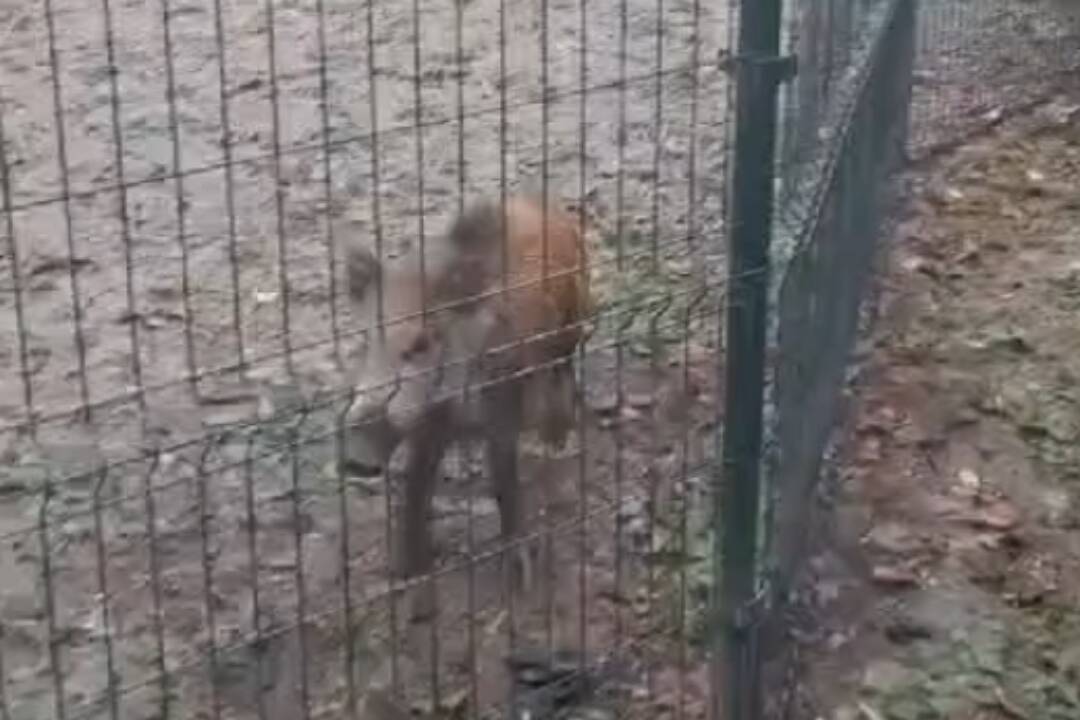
column 503, row 416
column 558, row 391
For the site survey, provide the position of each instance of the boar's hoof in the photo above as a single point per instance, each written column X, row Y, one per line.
column 359, row 468
column 522, row 575
column 422, row 603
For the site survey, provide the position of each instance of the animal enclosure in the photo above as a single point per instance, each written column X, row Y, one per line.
column 181, row 183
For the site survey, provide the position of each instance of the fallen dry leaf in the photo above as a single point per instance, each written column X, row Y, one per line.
column 894, row 576
column 999, row 516
column 944, row 506
column 968, row 478
column 868, row 712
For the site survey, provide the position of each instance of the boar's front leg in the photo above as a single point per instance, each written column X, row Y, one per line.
column 558, row 389
column 426, row 448
column 503, row 406
column 415, row 548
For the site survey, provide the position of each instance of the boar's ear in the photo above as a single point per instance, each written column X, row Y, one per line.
column 361, row 268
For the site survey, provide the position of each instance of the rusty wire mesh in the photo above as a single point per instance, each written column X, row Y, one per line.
column 181, row 181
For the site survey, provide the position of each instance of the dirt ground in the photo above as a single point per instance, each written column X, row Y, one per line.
column 173, row 582
column 948, row 582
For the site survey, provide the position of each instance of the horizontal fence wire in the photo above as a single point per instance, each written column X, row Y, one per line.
column 185, row 352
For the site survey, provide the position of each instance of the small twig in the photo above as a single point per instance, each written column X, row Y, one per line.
column 10, row 29
column 1007, row 706
column 868, row 712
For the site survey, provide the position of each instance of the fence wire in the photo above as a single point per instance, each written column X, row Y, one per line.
column 182, row 349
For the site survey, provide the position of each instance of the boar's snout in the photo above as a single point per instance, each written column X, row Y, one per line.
column 369, row 437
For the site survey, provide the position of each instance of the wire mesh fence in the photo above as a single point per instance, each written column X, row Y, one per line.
column 190, row 354
column 249, row 248
column 837, row 190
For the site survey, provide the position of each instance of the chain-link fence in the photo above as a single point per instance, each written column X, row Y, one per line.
column 827, row 235
column 877, row 82
column 842, row 131
column 252, row 249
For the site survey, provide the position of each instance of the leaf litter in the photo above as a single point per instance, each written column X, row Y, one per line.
column 961, row 462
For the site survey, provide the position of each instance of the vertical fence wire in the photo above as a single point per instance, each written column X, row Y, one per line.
column 76, row 299
column 328, row 180
column 180, row 204
column 504, row 286
column 652, row 472
column 279, row 187
column 157, row 607
column 431, row 582
column 418, row 138
column 376, row 167
column 5, row 707
column 251, row 525
column 548, row 559
column 106, row 598
column 301, row 627
column 206, row 540
column 229, row 187
column 52, row 623
column 118, row 147
column 348, row 623
column 466, row 457
column 620, row 359
column 578, row 401
column 15, row 268
column 392, row 594
column 685, row 489
column 375, row 136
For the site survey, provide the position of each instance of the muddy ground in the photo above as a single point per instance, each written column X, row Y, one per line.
column 148, row 244
column 948, row 582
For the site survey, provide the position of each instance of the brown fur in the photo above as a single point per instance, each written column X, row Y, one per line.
column 517, row 345
column 551, row 307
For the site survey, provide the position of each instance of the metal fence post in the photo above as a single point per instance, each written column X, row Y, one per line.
column 759, row 69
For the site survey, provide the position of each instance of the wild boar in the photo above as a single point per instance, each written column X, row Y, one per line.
column 477, row 343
